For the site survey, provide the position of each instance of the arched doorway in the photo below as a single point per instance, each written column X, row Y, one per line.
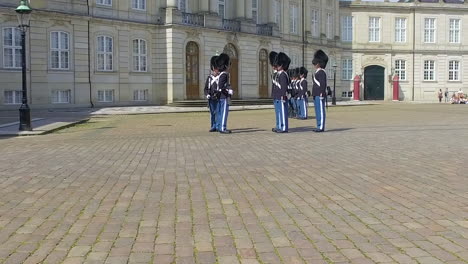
column 234, row 68
column 263, row 74
column 192, row 71
column 374, row 83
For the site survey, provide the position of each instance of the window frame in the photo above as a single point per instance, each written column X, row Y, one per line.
column 102, row 2
column 13, row 47
column 105, row 95
column 139, row 55
column 401, row 71
column 60, row 92
column 59, row 50
column 428, row 70
column 294, row 19
column 432, row 31
column 375, row 29
column 314, row 22
column 111, row 53
column 455, row 72
column 137, row 94
column 457, row 36
column 222, row 3
column 19, row 97
column 347, row 69
column 347, row 28
column 401, row 30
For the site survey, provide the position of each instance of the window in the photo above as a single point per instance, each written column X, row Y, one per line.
column 12, row 97
column 141, row 4
column 429, row 30
column 329, row 26
column 454, row 70
column 347, row 94
column 454, row 34
column 140, row 95
column 347, row 69
column 104, row 53
column 104, row 2
column 294, row 60
column 139, row 55
column 106, row 96
column 254, row 11
column 374, row 29
column 61, row 97
column 11, row 48
column 347, row 29
column 400, row 69
column 222, row 8
column 400, row 29
column 315, row 23
column 293, row 19
column 278, row 12
column 429, row 70
column 330, row 70
column 59, row 50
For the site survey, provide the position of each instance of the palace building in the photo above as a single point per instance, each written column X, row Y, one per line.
column 85, row 53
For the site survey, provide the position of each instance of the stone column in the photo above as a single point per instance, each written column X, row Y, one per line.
column 240, row 9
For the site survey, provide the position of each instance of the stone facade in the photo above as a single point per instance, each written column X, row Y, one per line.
column 132, row 52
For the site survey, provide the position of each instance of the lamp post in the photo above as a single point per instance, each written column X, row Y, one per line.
column 23, row 12
column 334, row 84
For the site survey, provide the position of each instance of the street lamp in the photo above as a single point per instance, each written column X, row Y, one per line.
column 23, row 12
column 334, row 84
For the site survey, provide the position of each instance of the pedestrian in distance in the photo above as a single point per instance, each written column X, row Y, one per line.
column 446, row 95
column 439, row 95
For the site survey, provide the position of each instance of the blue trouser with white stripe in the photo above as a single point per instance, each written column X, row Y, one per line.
column 213, row 104
column 222, row 115
column 293, row 103
column 302, row 106
column 281, row 113
column 319, row 104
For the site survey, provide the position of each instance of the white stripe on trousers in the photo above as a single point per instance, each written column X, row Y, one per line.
column 305, row 108
column 224, row 115
column 321, row 114
column 282, row 113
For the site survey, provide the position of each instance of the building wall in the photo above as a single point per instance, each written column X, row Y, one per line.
column 167, row 33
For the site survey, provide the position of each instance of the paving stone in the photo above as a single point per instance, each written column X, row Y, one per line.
column 159, row 188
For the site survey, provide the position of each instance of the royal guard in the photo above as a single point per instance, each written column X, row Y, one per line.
column 224, row 93
column 279, row 92
column 211, row 88
column 319, row 90
column 302, row 100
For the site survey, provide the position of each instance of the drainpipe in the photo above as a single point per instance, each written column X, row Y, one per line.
column 303, row 34
column 414, row 48
column 89, row 58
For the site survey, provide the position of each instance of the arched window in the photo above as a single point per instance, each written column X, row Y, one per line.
column 139, row 55
column 59, row 50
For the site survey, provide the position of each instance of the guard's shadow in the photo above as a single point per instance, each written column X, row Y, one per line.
column 311, row 129
column 247, row 130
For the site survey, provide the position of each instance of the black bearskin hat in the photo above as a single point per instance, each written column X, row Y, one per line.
column 283, row 61
column 222, row 62
column 213, row 62
column 320, row 58
column 303, row 71
column 273, row 58
column 295, row 73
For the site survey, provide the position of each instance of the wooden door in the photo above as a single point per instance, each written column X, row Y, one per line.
column 233, row 69
column 192, row 71
column 263, row 74
column 374, row 83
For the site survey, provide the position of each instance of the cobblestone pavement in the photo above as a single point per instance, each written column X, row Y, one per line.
column 387, row 184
